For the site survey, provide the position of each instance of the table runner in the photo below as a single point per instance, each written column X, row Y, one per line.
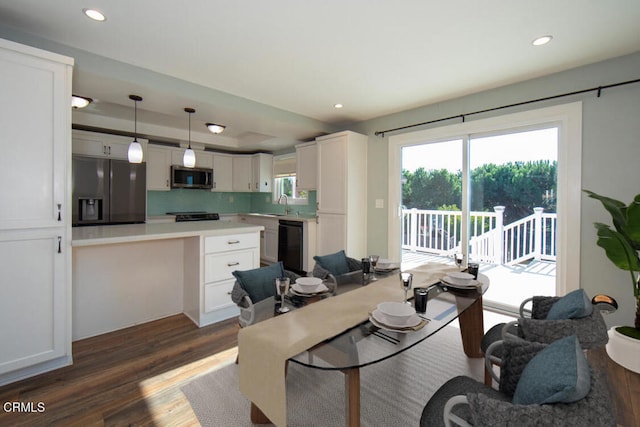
column 264, row 347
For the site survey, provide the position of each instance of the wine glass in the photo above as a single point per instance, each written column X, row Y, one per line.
column 405, row 283
column 373, row 259
column 459, row 260
column 282, row 289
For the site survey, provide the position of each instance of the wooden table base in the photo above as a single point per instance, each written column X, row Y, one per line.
column 472, row 329
column 352, row 396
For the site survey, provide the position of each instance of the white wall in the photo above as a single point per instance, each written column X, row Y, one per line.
column 611, row 153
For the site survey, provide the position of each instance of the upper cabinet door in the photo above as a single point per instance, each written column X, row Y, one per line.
column 158, row 168
column 222, row 172
column 35, row 140
column 332, row 175
column 262, row 172
column 242, row 173
column 306, row 166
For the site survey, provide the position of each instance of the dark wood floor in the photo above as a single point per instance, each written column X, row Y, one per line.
column 133, row 377
column 130, row 377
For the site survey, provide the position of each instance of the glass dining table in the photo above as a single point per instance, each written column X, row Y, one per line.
column 366, row 343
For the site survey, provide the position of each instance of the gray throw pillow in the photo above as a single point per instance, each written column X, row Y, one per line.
column 336, row 263
column 559, row 373
column 259, row 282
column 574, row 305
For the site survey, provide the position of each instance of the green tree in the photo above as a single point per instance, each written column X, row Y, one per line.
column 431, row 189
column 518, row 186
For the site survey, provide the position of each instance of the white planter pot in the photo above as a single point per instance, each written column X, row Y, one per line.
column 624, row 350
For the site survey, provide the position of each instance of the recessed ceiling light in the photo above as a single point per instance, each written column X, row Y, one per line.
column 542, row 40
column 94, row 14
column 338, row 106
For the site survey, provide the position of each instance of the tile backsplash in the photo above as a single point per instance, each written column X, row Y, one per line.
column 182, row 200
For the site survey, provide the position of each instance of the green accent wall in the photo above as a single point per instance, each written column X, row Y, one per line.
column 182, row 200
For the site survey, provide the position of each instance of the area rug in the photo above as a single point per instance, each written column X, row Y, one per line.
column 393, row 392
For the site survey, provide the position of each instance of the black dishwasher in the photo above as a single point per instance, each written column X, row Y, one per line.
column 290, row 243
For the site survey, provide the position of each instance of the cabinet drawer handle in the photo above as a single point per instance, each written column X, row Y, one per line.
column 231, row 264
column 233, row 242
column 59, row 244
column 59, row 212
column 229, row 293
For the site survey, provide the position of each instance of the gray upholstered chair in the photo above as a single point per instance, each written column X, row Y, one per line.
column 533, row 325
column 569, row 400
column 253, row 286
column 337, row 270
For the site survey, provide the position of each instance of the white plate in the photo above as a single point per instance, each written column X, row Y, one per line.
column 307, row 290
column 460, row 275
column 471, row 285
column 389, row 328
column 386, row 265
column 413, row 320
column 308, row 281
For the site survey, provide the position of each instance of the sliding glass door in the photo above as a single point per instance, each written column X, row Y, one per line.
column 491, row 197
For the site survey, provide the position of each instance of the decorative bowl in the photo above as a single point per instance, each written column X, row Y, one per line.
column 308, row 284
column 396, row 312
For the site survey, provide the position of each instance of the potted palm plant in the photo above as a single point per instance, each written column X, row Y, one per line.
column 622, row 246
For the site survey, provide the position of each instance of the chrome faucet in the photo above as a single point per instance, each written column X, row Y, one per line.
column 286, row 203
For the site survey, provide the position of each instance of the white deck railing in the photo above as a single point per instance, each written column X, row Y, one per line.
column 438, row 232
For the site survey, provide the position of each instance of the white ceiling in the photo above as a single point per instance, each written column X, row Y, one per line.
column 376, row 57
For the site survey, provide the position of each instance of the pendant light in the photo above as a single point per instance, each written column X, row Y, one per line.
column 189, row 158
column 135, row 149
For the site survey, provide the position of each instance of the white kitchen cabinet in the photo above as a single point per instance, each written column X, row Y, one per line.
column 35, row 212
column 104, row 145
column 268, row 236
column 222, row 256
column 242, row 172
column 262, row 172
column 342, row 190
column 252, row 172
column 306, row 166
column 222, row 172
column 332, row 229
column 158, row 168
column 204, row 159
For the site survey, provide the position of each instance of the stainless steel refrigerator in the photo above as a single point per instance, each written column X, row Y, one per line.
column 108, row 191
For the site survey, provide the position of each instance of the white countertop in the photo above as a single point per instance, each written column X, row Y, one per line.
column 301, row 218
column 109, row 234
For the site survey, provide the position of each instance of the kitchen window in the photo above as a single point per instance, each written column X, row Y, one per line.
column 284, row 181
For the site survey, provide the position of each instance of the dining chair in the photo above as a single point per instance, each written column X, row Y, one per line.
column 337, row 269
column 253, row 286
column 539, row 384
column 578, row 316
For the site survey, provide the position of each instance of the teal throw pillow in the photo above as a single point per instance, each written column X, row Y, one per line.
column 574, row 305
column 336, row 264
column 259, row 282
column 559, row 373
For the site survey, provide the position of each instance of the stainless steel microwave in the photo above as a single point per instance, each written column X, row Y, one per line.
column 182, row 177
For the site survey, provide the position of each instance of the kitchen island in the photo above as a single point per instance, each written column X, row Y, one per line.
column 125, row 275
